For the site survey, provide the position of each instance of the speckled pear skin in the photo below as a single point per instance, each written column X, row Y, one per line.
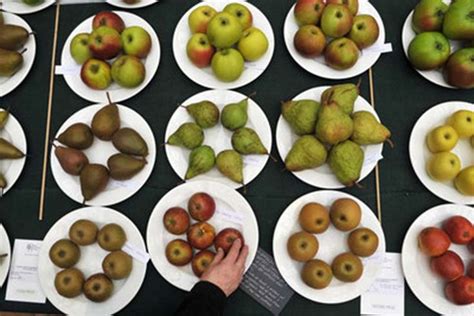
column 205, row 113
column 334, row 125
column 367, row 130
column 230, row 164
column 307, row 153
column 201, row 160
column 346, row 160
column 247, row 142
column 234, row 115
column 343, row 95
column 188, row 135
column 301, row 115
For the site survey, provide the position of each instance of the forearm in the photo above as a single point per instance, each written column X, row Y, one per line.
column 204, row 299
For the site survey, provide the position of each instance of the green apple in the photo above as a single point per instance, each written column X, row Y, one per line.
column 463, row 122
column 459, row 70
column 128, row 71
column 442, row 138
column 224, row 30
column 200, row 17
column 199, row 50
column 365, row 31
column 341, row 53
column 79, row 48
column 308, row 12
column 96, row 74
column 253, row 44
column 105, row 43
column 464, row 182
column 429, row 50
column 136, row 41
column 336, row 20
column 352, row 5
column 32, row 2
column 443, row 166
column 458, row 21
column 228, row 64
column 310, row 41
column 241, row 12
column 428, row 16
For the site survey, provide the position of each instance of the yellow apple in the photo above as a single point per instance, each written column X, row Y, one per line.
column 442, row 138
column 464, row 182
column 443, row 166
column 463, row 122
column 253, row 44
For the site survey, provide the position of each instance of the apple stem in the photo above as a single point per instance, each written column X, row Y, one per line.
column 108, row 97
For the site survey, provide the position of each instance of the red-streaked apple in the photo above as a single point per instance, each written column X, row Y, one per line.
column 341, row 53
column 433, row 241
column 428, row 16
column 365, row 31
column 201, row 206
column 79, row 48
column 310, row 41
column 459, row 70
column 110, row 19
column 136, row 41
column 308, row 12
column 201, row 262
column 179, row 252
column 241, row 12
column 459, row 229
column 128, row 71
column 352, row 5
column 200, row 50
column 336, row 20
column 96, row 74
column 200, row 17
column 226, row 237
column 176, row 220
column 105, row 43
column 201, row 235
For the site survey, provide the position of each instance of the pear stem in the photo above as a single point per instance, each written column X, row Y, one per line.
column 23, row 51
column 252, row 94
column 390, row 142
column 284, row 170
column 358, row 185
column 1, row 195
column 32, row 33
column 245, row 188
column 359, row 83
column 272, row 158
column 108, row 97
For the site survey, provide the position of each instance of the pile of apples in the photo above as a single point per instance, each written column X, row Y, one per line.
column 445, row 165
column 436, row 24
column 201, row 235
column 447, row 264
column 333, row 28
column 224, row 40
column 111, row 53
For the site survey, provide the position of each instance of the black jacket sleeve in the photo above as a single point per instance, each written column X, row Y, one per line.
column 205, row 299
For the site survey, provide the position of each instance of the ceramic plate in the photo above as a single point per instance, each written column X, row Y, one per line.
column 12, row 168
column 4, row 249
column 91, row 263
column 426, row 286
column 219, row 138
column 205, row 77
column 323, row 177
column 99, row 152
column 419, row 152
column 435, row 76
column 317, row 66
column 72, row 70
column 18, row 7
column 8, row 84
column 232, row 210
column 331, row 243
column 139, row 4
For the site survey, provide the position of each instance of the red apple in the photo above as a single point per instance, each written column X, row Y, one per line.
column 176, row 220
column 202, row 261
column 201, row 235
column 449, row 266
column 433, row 241
column 201, row 206
column 470, row 246
column 105, row 43
column 199, row 50
column 309, row 41
column 470, row 269
column 460, row 291
column 226, row 238
column 459, row 230
column 308, row 12
column 110, row 19
column 179, row 252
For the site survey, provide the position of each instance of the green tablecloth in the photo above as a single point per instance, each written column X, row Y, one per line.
column 401, row 97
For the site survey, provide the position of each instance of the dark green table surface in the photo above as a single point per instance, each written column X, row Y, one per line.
column 401, row 97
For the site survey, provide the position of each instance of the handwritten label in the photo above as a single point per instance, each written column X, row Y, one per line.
column 378, row 49
column 252, row 160
column 370, row 160
column 136, row 253
column 67, row 70
column 254, row 66
column 230, row 216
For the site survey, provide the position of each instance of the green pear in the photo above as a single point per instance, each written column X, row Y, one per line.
column 334, row 125
column 346, row 160
column 204, row 113
column 458, row 21
column 93, row 179
column 124, row 167
column 234, row 115
column 106, row 121
column 247, row 142
column 10, row 62
column 367, row 130
column 130, row 142
column 230, row 164
column 13, row 37
column 343, row 95
column 464, row 181
column 4, row 115
column 306, row 153
column 9, row 151
column 78, row 136
column 201, row 160
column 188, row 135
column 301, row 115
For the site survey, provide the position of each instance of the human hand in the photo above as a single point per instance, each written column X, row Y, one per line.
column 226, row 273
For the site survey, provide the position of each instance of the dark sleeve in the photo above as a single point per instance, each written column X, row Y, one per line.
column 205, row 299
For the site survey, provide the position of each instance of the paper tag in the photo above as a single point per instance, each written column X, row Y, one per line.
column 370, row 160
column 252, row 160
column 136, row 253
column 378, row 49
column 253, row 66
column 386, row 296
column 23, row 280
column 127, row 184
column 230, row 216
column 67, row 70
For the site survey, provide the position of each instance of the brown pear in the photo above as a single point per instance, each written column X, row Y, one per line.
column 13, row 37
column 94, row 179
column 71, row 160
column 78, row 136
column 124, row 167
column 10, row 62
column 106, row 121
column 129, row 142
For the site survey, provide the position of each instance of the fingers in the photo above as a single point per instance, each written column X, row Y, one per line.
column 242, row 257
column 234, row 251
column 217, row 258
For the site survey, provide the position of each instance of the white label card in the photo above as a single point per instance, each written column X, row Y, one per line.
column 136, row 253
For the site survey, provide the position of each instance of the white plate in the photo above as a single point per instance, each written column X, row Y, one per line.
column 219, row 138
column 18, row 7
column 4, row 248
column 99, row 152
column 317, row 66
column 8, row 84
column 205, row 77
column 419, row 152
column 428, row 287
column 435, row 76
column 331, row 243
column 323, row 177
column 141, row 4
column 12, row 168
column 232, row 210
column 118, row 93
column 91, row 263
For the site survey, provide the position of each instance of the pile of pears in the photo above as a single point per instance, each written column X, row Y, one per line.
column 202, row 158
column 7, row 149
column 12, row 40
column 331, row 132
column 106, row 126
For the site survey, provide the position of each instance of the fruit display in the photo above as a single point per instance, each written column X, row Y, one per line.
column 332, row 241
column 441, row 151
column 191, row 222
column 218, row 134
column 436, row 39
column 330, row 130
column 223, row 45
column 103, row 149
column 437, row 260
